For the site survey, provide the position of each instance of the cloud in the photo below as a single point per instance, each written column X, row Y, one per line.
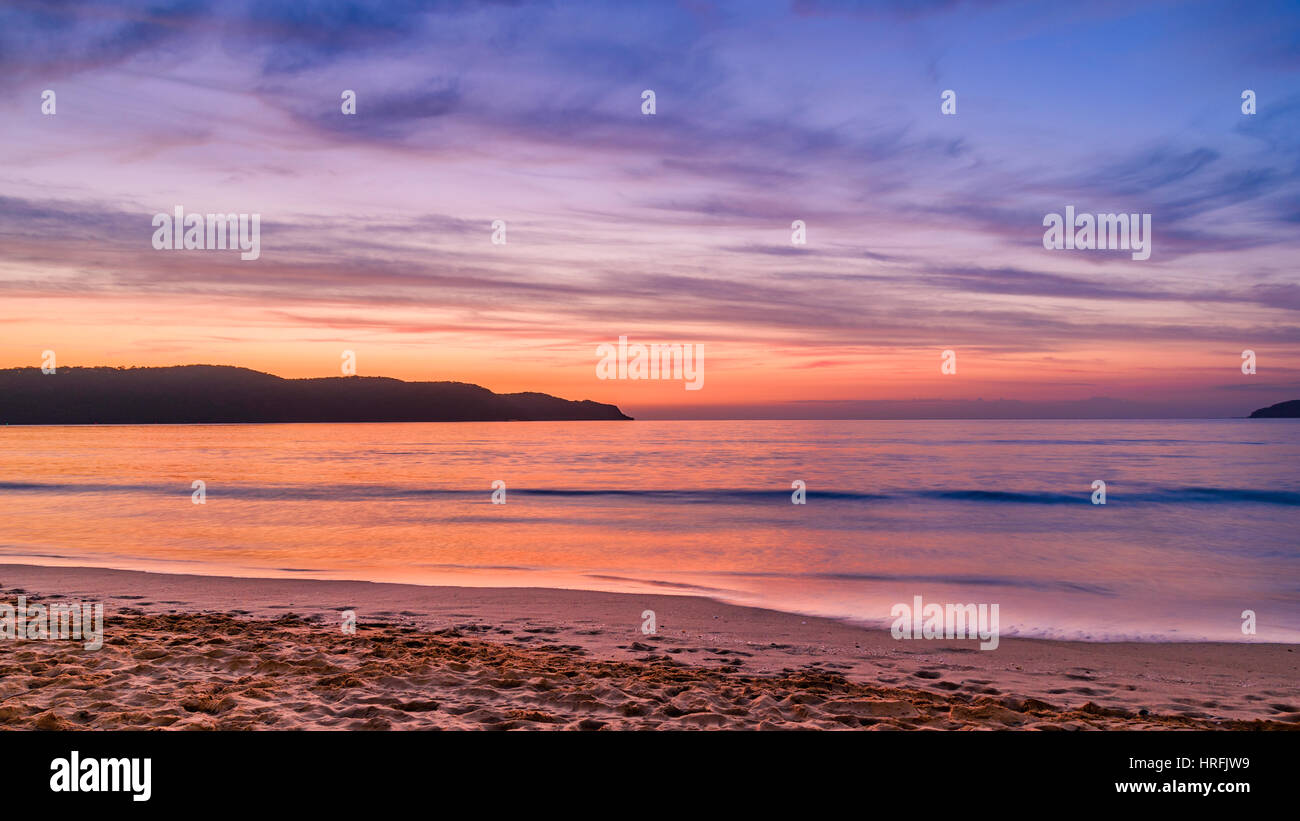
column 48, row 40
column 922, row 228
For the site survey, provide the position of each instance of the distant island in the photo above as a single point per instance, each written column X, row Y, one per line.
column 195, row 394
column 1282, row 410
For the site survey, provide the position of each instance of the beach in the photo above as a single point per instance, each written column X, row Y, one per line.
column 226, row 653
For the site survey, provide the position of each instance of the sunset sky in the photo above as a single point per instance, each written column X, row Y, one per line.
column 924, row 230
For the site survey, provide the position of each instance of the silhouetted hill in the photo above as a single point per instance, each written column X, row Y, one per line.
column 1282, row 410
column 216, row 393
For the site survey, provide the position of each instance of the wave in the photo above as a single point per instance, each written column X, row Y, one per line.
column 362, row 492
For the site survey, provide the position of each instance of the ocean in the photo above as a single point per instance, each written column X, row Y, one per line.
column 1201, row 520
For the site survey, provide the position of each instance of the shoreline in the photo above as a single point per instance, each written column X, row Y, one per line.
column 554, row 581
column 949, row 684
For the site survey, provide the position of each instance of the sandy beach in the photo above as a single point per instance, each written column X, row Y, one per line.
column 195, row 652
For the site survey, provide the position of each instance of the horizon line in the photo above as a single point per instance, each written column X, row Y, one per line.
column 733, row 412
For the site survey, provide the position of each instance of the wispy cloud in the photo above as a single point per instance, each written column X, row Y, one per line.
column 923, row 229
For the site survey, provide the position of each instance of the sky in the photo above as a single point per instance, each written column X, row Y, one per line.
column 924, row 230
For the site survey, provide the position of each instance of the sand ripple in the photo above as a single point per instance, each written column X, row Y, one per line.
column 222, row 671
